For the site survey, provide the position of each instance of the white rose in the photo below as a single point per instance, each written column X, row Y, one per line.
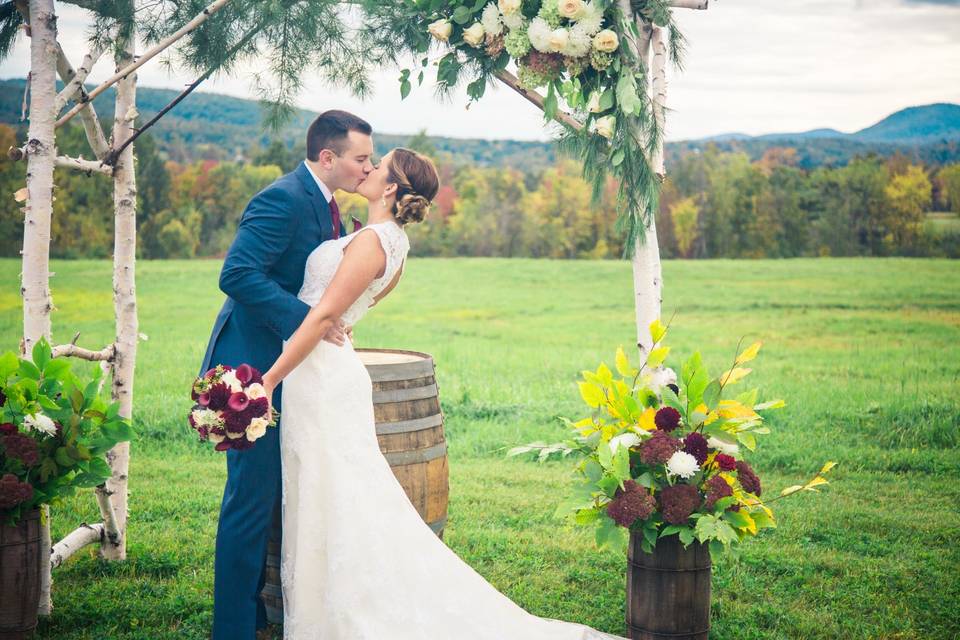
column 509, row 7
column 604, row 126
column 216, row 438
column 682, row 464
column 729, row 448
column 40, row 423
column 230, row 379
column 255, row 391
column 570, row 9
column 606, row 41
column 558, row 39
column 258, row 427
column 441, row 30
column 593, row 104
column 473, row 36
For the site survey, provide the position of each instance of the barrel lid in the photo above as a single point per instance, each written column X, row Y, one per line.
column 396, row 364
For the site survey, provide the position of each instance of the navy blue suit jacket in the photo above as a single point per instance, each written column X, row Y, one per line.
column 263, row 272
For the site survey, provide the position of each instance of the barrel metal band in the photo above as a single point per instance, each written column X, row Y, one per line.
column 400, row 458
column 666, row 634
column 406, row 426
column 399, row 395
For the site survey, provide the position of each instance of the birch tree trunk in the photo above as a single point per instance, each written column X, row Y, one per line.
column 124, row 295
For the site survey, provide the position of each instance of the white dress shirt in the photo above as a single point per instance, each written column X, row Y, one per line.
column 327, row 194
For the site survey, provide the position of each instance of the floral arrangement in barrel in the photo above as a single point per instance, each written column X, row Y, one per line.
column 582, row 52
column 669, row 462
column 54, row 431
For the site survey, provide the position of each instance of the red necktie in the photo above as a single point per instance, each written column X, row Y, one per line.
column 335, row 217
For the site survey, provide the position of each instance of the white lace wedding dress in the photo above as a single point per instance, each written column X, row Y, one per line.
column 358, row 561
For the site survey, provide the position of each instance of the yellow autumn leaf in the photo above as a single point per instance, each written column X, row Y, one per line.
column 732, row 409
column 657, row 356
column 605, row 375
column 623, row 364
column 647, row 419
column 657, row 330
column 751, row 523
column 791, row 490
column 772, row 404
column 734, row 376
column 826, row 468
column 816, row 482
column 591, row 394
column 749, row 353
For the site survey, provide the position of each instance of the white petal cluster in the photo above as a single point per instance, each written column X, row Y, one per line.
column 628, row 439
column 512, row 20
column 729, row 448
column 441, row 30
column 540, row 33
column 40, row 423
column 509, row 7
column 207, row 418
column 490, row 19
column 578, row 42
column 230, row 379
column 256, row 428
column 682, row 464
column 590, row 18
column 604, row 126
column 606, row 41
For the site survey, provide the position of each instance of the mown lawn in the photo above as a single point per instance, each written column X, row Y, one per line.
column 864, row 351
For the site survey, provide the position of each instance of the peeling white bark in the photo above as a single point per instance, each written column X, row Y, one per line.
column 90, row 166
column 74, row 541
column 88, row 115
column 74, row 351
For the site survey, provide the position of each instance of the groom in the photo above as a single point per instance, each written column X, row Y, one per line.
column 261, row 275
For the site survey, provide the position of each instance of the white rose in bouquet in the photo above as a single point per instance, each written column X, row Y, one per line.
column 258, row 427
column 255, row 391
column 509, row 7
column 558, row 40
column 606, row 41
column 230, row 379
column 570, row 9
column 441, row 30
column 474, row 35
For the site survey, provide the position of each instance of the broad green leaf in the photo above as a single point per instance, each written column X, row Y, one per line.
column 55, row 368
column 606, row 102
column 550, row 103
column 609, row 485
column 686, row 536
column 711, row 395
column 747, row 440
column 739, row 519
column 461, row 14
column 41, row 353
column 29, row 370
column 621, row 464
column 604, row 455
column 593, row 471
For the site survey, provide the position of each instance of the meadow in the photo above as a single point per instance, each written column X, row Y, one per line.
column 864, row 351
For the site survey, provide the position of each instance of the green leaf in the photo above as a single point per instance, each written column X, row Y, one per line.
column 671, row 399
column 737, row 519
column 593, row 471
column 605, row 455
column 627, row 98
column 41, row 353
column 650, row 535
column 55, row 368
column 617, row 158
column 100, row 467
column 711, row 395
column 645, row 479
column 29, row 370
column 461, row 14
column 609, row 485
column 746, row 439
column 606, row 102
column 609, row 533
column 404, row 88
column 62, row 457
column 657, row 356
column 550, row 103
column 477, row 88
column 621, row 463
column 686, row 536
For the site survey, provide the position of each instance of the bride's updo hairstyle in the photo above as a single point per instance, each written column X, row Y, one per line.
column 417, row 184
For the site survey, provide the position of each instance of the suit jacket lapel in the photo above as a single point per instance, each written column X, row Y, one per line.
column 321, row 209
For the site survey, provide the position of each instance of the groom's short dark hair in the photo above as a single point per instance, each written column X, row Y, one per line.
column 330, row 129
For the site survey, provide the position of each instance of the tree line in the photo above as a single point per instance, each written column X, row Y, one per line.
column 714, row 204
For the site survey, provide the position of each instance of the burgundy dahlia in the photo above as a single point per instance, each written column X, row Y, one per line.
column 678, row 502
column 717, row 488
column 218, row 396
column 748, row 479
column 257, row 408
column 7, row 428
column 659, row 448
column 13, row 492
column 725, row 462
column 631, row 503
column 667, row 419
column 696, row 445
column 22, row 447
column 236, row 422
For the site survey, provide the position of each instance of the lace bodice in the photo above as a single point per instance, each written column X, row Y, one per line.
column 324, row 261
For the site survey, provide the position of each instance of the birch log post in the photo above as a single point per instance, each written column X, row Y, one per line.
column 124, row 301
column 41, row 156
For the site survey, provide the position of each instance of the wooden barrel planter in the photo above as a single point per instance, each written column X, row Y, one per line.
column 20, row 558
column 410, row 433
column 668, row 591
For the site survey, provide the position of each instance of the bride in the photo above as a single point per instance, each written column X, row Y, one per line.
column 358, row 561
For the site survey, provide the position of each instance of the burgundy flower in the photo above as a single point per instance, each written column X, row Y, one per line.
column 13, row 492
column 257, row 408
column 725, row 462
column 238, row 401
column 244, row 374
column 748, row 479
column 659, row 448
column 219, row 395
column 224, row 445
column 211, row 374
column 7, row 428
column 631, row 503
column 240, row 444
column 717, row 488
column 236, row 422
column 203, row 399
column 678, row 502
column 667, row 419
column 22, row 447
column 696, row 445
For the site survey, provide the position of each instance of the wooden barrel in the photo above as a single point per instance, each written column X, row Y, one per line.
column 668, row 591
column 410, row 433
column 20, row 558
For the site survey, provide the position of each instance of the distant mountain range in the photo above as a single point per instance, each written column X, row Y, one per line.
column 215, row 126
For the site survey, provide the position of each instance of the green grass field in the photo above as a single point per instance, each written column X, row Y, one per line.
column 864, row 351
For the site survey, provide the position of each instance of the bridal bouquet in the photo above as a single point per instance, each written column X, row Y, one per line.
column 668, row 461
column 232, row 409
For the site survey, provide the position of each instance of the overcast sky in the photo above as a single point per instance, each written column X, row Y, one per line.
column 752, row 66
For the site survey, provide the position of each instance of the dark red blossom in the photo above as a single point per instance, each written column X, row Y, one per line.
column 659, row 448
column 667, row 419
column 244, row 374
column 678, row 502
column 257, row 408
column 717, row 488
column 219, row 395
column 748, row 479
column 236, row 422
column 238, row 401
column 631, row 503
column 13, row 492
column 696, row 445
column 7, row 428
column 725, row 462
column 22, row 447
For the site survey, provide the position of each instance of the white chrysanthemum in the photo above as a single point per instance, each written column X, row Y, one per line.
column 578, row 43
column 509, row 7
column 591, row 18
column 490, row 19
column 729, row 448
column 539, row 33
column 512, row 21
column 40, row 423
column 230, row 379
column 682, row 464
column 627, row 440
column 256, row 429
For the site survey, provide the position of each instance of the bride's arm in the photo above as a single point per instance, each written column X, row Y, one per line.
column 363, row 261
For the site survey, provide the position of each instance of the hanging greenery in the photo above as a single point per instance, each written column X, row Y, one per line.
column 582, row 54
